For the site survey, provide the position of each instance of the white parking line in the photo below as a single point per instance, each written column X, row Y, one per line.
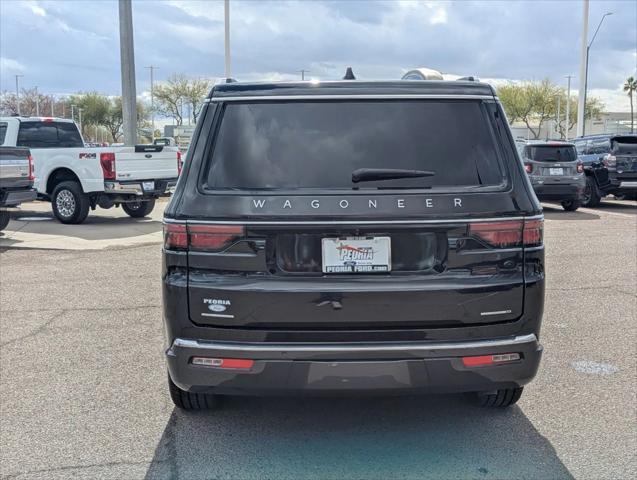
column 592, row 210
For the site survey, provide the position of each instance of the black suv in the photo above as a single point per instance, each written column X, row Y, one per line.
column 343, row 237
column 610, row 164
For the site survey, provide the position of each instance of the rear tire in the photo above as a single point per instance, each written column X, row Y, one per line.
column 501, row 398
column 591, row 197
column 139, row 209
column 4, row 219
column 191, row 401
column 70, row 204
column 570, row 205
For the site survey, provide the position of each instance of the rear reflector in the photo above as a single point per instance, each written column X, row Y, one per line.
column 490, row 359
column 509, row 233
column 234, row 363
column 207, row 238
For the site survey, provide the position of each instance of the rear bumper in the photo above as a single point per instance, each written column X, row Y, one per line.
column 434, row 367
column 572, row 191
column 12, row 198
column 136, row 187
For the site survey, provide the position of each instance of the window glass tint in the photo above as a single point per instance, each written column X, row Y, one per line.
column 599, row 145
column 319, row 144
column 68, row 135
column 550, row 153
column 48, row 135
column 3, row 132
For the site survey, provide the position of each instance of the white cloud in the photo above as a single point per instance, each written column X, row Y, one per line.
column 11, row 65
column 37, row 9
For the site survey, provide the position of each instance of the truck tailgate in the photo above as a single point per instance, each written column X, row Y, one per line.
column 146, row 162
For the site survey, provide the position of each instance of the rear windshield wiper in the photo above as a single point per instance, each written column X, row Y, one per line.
column 371, row 174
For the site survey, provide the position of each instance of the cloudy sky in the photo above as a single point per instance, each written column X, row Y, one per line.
column 65, row 46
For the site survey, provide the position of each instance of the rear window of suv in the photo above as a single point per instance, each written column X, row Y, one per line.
column 550, row 153
column 318, row 144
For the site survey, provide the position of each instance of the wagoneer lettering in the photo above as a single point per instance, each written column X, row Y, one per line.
column 401, row 208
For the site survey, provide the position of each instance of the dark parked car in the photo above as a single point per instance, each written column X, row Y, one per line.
column 16, row 179
column 555, row 172
column 610, row 163
column 352, row 237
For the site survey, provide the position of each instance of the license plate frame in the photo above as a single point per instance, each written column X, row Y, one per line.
column 348, row 255
column 556, row 171
column 148, row 186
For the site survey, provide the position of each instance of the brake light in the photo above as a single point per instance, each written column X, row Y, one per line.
column 509, row 233
column 209, row 238
column 580, row 167
column 233, row 363
column 175, row 236
column 610, row 161
column 528, row 168
column 107, row 161
column 482, row 360
column 180, row 163
column 31, row 175
column 213, row 237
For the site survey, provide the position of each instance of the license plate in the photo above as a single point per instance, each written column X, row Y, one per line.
column 148, row 186
column 356, row 255
column 556, row 171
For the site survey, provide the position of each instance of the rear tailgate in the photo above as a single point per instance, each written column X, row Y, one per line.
column 14, row 167
column 146, row 162
column 625, row 151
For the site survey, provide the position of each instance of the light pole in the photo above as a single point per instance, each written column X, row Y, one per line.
column 588, row 49
column 17, row 92
column 152, row 68
column 303, row 72
column 80, row 113
column 568, row 105
column 127, row 58
column 226, row 15
column 37, row 102
column 73, row 112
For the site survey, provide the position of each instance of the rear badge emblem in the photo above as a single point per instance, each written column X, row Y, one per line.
column 217, row 308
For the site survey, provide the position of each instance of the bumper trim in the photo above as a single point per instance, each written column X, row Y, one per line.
column 628, row 185
column 349, row 348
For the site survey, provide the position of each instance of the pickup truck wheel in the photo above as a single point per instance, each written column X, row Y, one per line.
column 139, row 209
column 70, row 204
column 501, row 398
column 4, row 219
column 591, row 196
column 570, row 205
column 191, row 401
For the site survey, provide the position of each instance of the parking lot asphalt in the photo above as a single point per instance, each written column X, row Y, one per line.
column 83, row 389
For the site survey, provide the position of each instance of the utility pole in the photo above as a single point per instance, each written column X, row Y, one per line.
column 127, row 58
column 226, row 13
column 568, row 105
column 582, row 71
column 37, row 102
column 17, row 92
column 303, row 72
column 152, row 68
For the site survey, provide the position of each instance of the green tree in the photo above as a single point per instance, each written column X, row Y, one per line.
column 95, row 107
column 630, row 87
column 533, row 103
column 180, row 92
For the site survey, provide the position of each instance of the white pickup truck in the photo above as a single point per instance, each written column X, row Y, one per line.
column 76, row 178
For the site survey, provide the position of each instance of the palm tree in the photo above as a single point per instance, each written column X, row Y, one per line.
column 629, row 87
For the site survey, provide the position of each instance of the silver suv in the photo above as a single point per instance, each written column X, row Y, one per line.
column 555, row 172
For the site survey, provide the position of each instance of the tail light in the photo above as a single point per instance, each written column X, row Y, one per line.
column 528, row 168
column 610, row 161
column 180, row 163
column 509, row 233
column 31, row 175
column 107, row 161
column 207, row 238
